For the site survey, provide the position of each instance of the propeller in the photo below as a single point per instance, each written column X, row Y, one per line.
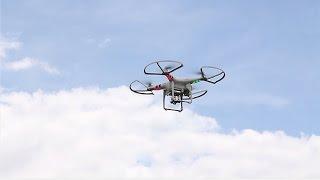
column 148, row 83
column 141, row 88
column 197, row 72
column 169, row 67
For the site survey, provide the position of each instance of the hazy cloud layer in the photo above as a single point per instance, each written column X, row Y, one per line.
column 112, row 133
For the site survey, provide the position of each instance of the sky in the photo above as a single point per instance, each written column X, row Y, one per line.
column 57, row 55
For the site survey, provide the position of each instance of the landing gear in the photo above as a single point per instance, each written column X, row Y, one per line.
column 175, row 100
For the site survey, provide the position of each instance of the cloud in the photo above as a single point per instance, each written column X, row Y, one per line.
column 27, row 63
column 104, row 43
column 92, row 132
column 24, row 63
column 6, row 45
column 100, row 43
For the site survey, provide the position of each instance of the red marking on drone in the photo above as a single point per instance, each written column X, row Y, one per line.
column 154, row 88
column 170, row 78
column 157, row 87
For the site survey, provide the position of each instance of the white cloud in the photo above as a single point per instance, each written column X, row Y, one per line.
column 6, row 45
column 113, row 133
column 24, row 63
column 106, row 42
column 27, row 63
column 100, row 43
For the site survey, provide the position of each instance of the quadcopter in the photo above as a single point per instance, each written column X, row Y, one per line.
column 180, row 90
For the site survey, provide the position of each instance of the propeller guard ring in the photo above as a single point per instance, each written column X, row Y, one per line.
column 143, row 92
column 213, row 76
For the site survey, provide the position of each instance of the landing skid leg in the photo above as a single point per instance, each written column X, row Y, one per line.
column 171, row 109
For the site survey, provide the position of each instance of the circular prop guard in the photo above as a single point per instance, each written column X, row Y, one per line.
column 140, row 88
column 212, row 74
column 198, row 94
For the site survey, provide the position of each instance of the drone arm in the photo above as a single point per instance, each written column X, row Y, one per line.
column 196, row 80
column 156, row 88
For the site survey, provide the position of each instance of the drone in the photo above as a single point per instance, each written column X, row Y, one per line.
column 179, row 90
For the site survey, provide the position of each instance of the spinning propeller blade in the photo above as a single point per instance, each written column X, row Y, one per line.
column 197, row 72
column 169, row 67
column 141, row 88
column 148, row 83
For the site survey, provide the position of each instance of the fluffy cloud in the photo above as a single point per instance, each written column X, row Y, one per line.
column 27, row 63
column 24, row 63
column 6, row 45
column 104, row 43
column 113, row 133
column 100, row 43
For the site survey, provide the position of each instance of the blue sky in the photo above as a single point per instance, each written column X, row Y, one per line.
column 269, row 50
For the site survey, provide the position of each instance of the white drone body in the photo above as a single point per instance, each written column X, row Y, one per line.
column 179, row 89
